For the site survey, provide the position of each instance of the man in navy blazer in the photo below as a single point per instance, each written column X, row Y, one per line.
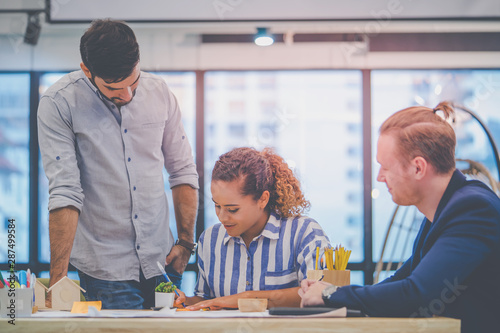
column 454, row 270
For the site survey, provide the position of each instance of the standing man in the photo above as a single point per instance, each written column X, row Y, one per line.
column 105, row 133
column 455, row 264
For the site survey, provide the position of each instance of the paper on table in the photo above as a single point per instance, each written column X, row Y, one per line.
column 220, row 314
column 42, row 313
column 335, row 313
column 93, row 312
column 165, row 312
column 172, row 313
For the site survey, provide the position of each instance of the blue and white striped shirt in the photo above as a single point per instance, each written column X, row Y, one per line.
column 276, row 259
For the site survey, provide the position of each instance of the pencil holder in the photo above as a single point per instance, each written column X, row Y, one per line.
column 16, row 302
column 338, row 278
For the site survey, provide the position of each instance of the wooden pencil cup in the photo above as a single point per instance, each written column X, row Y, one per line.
column 337, row 278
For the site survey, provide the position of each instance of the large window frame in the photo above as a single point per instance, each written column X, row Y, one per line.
column 367, row 265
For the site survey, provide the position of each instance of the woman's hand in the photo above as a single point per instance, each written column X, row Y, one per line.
column 226, row 302
column 179, row 299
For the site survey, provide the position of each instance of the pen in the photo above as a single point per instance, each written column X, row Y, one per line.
column 317, row 256
column 22, row 279
column 1, row 281
column 16, row 282
column 168, row 279
column 28, row 278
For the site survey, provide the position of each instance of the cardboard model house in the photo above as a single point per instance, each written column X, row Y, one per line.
column 64, row 293
column 40, row 291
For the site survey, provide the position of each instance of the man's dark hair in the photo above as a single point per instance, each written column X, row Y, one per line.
column 109, row 50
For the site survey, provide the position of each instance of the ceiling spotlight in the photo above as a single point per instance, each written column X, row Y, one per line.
column 263, row 38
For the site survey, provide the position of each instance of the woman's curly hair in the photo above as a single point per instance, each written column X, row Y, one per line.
column 263, row 171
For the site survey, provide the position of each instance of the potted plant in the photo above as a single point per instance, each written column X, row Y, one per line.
column 164, row 294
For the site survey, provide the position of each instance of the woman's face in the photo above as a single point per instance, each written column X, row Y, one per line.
column 241, row 215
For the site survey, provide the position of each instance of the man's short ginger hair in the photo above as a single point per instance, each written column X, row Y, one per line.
column 420, row 131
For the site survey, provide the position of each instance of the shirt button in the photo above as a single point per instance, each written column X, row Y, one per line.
column 129, row 159
column 138, row 247
column 248, row 258
column 125, row 130
column 135, row 216
column 135, row 188
column 248, row 283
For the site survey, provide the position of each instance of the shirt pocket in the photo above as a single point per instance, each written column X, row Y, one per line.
column 160, row 124
column 281, row 279
column 147, row 140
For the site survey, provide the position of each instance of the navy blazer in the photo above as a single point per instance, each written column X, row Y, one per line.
column 454, row 270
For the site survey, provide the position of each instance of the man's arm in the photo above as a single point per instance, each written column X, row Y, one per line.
column 62, row 229
column 442, row 272
column 186, row 207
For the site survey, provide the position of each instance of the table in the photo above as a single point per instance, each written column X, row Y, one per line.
column 240, row 325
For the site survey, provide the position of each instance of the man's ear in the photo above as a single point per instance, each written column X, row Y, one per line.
column 421, row 167
column 85, row 70
column 263, row 200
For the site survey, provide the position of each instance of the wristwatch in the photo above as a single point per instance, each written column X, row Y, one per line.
column 327, row 292
column 190, row 246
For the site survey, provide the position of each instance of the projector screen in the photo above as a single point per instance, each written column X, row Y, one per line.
column 268, row 10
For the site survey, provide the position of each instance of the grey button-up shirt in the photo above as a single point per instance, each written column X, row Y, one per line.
column 108, row 163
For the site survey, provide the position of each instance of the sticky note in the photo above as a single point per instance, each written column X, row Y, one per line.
column 83, row 307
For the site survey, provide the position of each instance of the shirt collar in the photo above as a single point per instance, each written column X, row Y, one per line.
column 106, row 101
column 90, row 84
column 457, row 181
column 271, row 230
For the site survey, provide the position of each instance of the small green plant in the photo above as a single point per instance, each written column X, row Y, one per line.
column 167, row 287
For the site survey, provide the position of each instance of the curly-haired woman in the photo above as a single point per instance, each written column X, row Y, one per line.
column 263, row 246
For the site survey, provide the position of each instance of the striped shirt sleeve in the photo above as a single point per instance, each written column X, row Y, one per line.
column 202, row 289
column 311, row 236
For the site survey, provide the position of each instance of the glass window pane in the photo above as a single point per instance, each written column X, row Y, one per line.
column 393, row 90
column 357, row 277
column 312, row 119
column 14, row 162
column 46, row 80
column 183, row 85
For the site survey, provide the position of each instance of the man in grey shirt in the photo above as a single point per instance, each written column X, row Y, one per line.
column 105, row 133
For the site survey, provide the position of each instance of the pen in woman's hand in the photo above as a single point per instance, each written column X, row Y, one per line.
column 168, row 279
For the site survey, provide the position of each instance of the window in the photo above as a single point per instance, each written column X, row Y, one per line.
column 46, row 80
column 14, row 162
column 393, row 90
column 313, row 119
column 183, row 86
column 309, row 117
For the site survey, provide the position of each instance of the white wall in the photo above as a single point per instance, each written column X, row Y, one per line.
column 170, row 46
column 217, row 10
